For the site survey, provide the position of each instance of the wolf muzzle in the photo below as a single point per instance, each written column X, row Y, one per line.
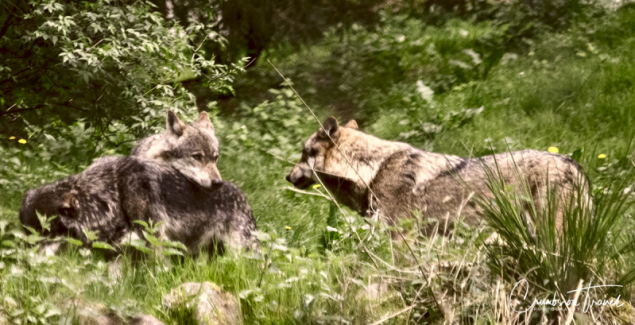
column 300, row 182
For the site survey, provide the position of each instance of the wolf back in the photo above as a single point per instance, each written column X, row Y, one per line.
column 115, row 191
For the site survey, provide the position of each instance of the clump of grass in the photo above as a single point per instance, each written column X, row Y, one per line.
column 559, row 243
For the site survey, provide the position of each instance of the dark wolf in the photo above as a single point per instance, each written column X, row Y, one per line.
column 114, row 192
column 192, row 149
column 392, row 179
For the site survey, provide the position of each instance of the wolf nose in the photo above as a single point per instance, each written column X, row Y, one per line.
column 288, row 178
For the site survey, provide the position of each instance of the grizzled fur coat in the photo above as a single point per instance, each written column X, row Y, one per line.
column 115, row 191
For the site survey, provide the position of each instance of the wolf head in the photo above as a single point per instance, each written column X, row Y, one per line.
column 191, row 149
column 322, row 153
column 58, row 202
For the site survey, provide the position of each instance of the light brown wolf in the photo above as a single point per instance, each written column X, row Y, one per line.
column 394, row 179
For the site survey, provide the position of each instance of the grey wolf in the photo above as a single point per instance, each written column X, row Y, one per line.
column 192, row 149
column 392, row 179
column 116, row 191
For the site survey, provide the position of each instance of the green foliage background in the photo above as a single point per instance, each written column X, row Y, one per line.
column 80, row 80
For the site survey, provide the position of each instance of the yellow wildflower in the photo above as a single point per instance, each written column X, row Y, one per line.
column 553, row 149
column 316, row 186
column 287, row 228
column 22, row 141
column 601, row 156
column 11, row 138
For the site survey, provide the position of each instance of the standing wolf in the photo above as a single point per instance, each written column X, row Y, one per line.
column 192, row 149
column 116, row 191
column 394, row 179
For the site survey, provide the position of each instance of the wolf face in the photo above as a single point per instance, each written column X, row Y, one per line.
column 345, row 160
column 314, row 154
column 76, row 201
column 191, row 149
column 333, row 149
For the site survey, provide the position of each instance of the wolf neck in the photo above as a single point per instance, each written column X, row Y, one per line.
column 347, row 192
column 365, row 154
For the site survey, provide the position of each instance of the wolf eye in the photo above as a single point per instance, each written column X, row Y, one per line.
column 313, row 152
column 197, row 156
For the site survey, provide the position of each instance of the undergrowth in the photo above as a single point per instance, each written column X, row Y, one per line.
column 439, row 87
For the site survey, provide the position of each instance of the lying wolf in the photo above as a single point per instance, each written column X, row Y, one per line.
column 393, row 179
column 192, row 149
column 116, row 191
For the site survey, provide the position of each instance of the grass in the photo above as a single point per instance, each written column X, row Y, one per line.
column 572, row 89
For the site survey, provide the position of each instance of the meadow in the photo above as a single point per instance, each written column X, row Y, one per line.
column 465, row 86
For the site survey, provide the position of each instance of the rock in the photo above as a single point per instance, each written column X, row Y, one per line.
column 85, row 314
column 207, row 302
column 98, row 314
column 144, row 320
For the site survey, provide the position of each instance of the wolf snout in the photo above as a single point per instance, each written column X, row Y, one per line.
column 216, row 184
column 299, row 181
column 214, row 174
column 211, row 185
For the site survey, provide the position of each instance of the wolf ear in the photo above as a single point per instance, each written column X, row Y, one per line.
column 174, row 125
column 330, row 128
column 203, row 121
column 352, row 125
column 69, row 206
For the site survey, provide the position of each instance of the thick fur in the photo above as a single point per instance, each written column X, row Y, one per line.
column 115, row 191
column 406, row 179
column 192, row 149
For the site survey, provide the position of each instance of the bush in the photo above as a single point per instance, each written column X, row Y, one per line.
column 100, row 61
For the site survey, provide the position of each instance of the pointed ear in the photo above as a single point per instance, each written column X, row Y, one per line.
column 69, row 206
column 175, row 126
column 352, row 125
column 203, row 121
column 330, row 128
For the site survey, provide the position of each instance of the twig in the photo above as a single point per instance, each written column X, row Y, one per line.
column 90, row 48
column 575, row 301
column 289, row 188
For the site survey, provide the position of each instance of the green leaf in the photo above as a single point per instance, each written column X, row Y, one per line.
column 73, row 241
column 142, row 223
column 90, row 235
column 8, row 243
column 577, row 154
column 171, row 252
column 140, row 245
column 175, row 244
column 102, row 245
column 154, row 241
column 34, row 239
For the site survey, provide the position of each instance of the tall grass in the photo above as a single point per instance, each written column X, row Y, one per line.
column 566, row 238
column 572, row 89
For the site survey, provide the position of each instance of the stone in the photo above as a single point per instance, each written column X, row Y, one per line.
column 207, row 302
column 97, row 314
column 144, row 320
column 86, row 314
